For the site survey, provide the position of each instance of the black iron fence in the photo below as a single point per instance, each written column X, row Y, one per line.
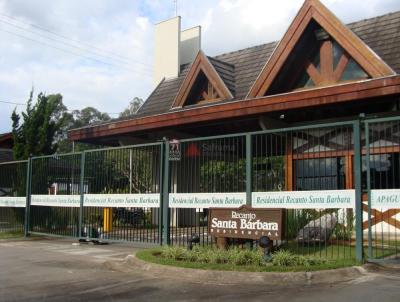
column 55, row 194
column 162, row 192
column 310, row 159
column 205, row 166
column 120, row 173
column 381, row 175
column 12, row 196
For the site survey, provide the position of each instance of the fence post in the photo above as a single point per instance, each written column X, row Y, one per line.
column 367, row 162
column 249, row 169
column 165, row 194
column 82, row 193
column 358, row 190
column 160, row 211
column 28, row 196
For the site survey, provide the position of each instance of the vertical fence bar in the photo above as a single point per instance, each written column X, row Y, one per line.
column 249, row 166
column 160, row 211
column 367, row 161
column 82, row 193
column 130, row 171
column 358, row 190
column 165, row 196
column 28, row 196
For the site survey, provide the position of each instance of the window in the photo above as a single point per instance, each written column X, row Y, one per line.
column 330, row 64
column 319, row 174
column 385, row 171
column 202, row 91
column 316, row 60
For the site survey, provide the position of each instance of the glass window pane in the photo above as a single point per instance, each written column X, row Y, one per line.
column 320, row 174
column 353, row 71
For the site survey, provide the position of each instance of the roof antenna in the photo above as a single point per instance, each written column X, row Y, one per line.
column 176, row 7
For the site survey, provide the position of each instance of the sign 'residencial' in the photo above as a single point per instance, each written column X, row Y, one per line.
column 246, row 222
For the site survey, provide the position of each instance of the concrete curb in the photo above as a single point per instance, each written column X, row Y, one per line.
column 132, row 263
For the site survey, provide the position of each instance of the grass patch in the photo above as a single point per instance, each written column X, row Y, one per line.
column 11, row 234
column 239, row 260
column 339, row 251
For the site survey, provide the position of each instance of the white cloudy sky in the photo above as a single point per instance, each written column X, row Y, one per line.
column 101, row 54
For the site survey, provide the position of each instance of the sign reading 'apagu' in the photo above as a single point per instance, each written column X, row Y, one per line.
column 246, row 222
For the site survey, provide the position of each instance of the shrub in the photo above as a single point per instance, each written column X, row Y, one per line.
column 245, row 257
column 286, row 258
column 193, row 255
column 236, row 256
column 220, row 256
column 283, row 258
column 174, row 253
column 206, row 255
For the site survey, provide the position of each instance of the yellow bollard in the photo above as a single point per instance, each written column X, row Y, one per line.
column 107, row 223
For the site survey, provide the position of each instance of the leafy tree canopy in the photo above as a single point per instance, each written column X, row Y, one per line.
column 80, row 118
column 42, row 129
column 88, row 116
column 37, row 130
column 133, row 107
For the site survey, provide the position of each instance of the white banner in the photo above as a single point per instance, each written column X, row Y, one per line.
column 122, row 200
column 13, row 202
column 329, row 199
column 385, row 199
column 206, row 200
column 56, row 200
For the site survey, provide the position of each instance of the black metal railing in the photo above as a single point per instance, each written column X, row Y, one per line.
column 12, row 196
column 299, row 159
column 55, row 176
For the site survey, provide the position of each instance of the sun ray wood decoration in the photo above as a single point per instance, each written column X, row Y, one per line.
column 387, row 216
column 354, row 48
column 202, row 84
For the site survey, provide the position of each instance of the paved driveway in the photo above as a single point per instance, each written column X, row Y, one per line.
column 49, row 270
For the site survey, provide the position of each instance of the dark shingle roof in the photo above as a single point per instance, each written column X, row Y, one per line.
column 239, row 69
column 6, row 155
column 382, row 35
column 226, row 71
column 156, row 103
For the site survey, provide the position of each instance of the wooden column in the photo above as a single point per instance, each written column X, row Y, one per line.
column 289, row 165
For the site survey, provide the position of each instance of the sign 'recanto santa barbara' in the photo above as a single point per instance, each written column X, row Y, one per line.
column 329, row 199
column 246, row 222
column 12, row 202
column 206, row 200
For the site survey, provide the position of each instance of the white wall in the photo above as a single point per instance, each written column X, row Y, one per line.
column 190, row 44
column 166, row 58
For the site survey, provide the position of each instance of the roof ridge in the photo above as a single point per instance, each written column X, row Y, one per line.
column 243, row 49
column 277, row 41
column 220, row 61
column 372, row 18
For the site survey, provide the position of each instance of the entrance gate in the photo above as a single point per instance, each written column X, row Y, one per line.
column 381, row 198
column 142, row 193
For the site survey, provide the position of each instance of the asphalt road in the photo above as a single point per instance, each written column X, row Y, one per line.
column 58, row 271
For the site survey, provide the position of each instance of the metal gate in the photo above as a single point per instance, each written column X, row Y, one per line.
column 108, row 194
column 54, row 195
column 121, row 175
column 12, row 197
column 308, row 158
column 381, row 184
column 160, row 193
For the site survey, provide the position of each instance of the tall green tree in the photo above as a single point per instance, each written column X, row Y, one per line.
column 38, row 129
column 88, row 116
column 77, row 119
column 133, row 107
